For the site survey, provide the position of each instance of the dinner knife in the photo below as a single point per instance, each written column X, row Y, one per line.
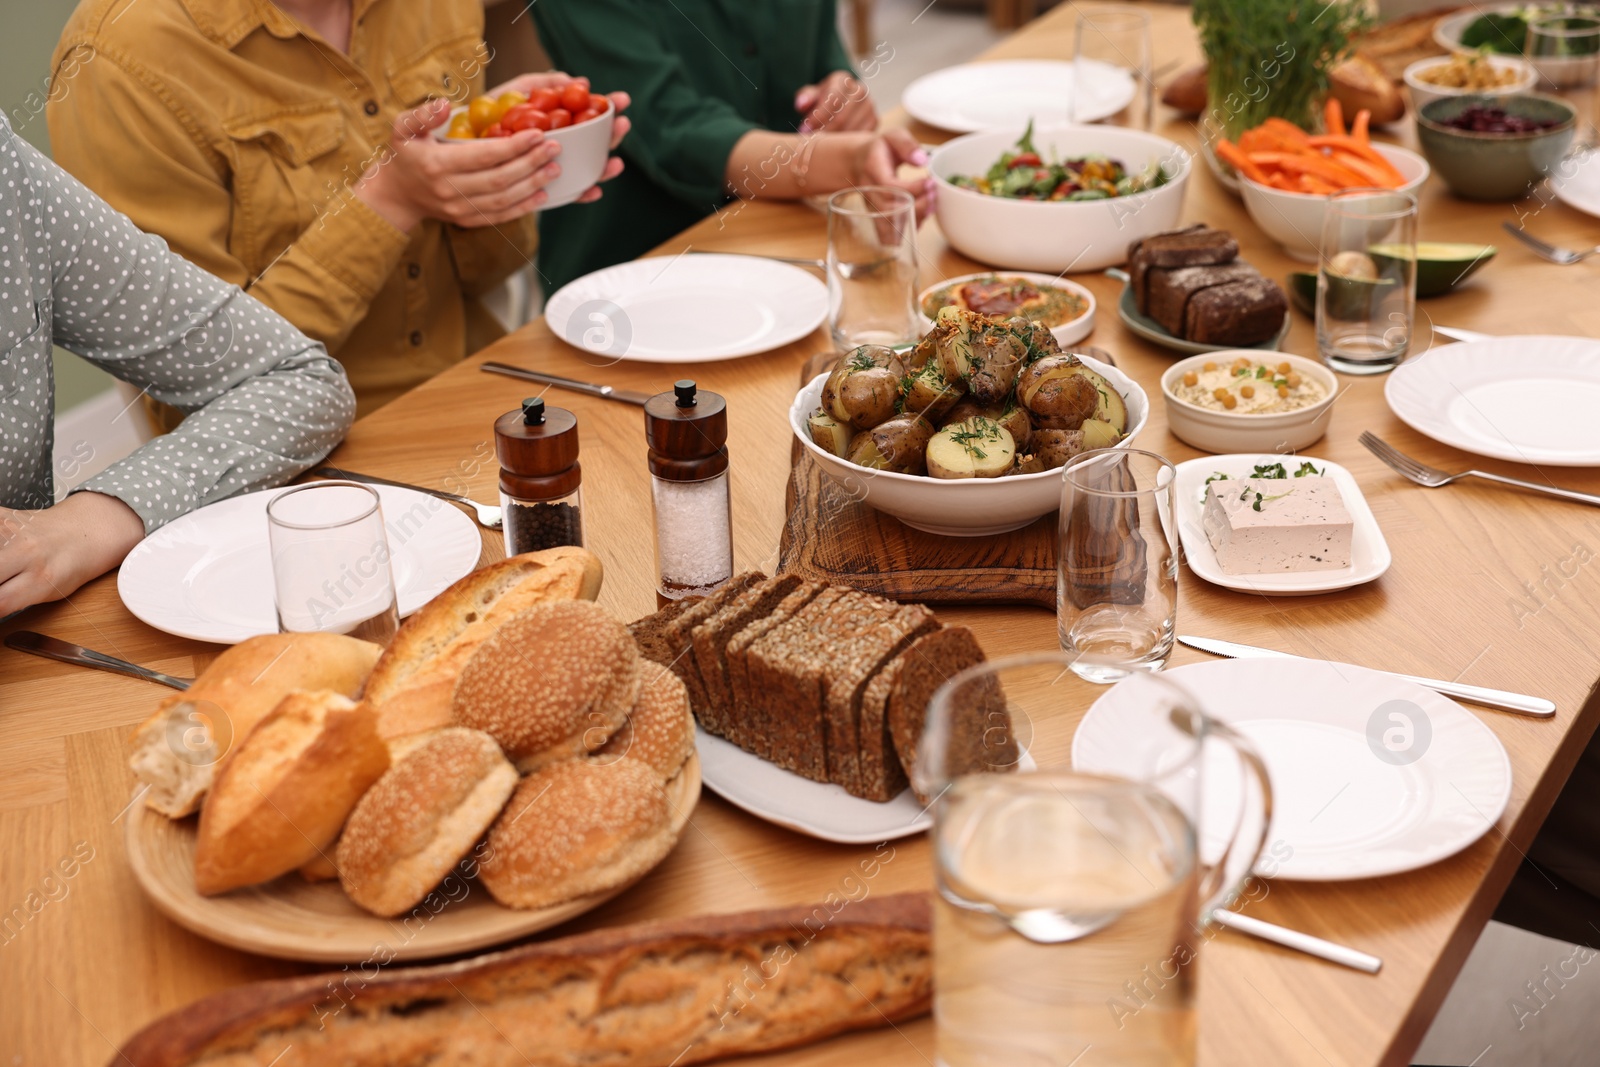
column 37, row 644
column 1489, row 698
column 1457, row 334
column 608, row 392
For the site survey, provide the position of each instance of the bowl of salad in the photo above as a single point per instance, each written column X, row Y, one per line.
column 1502, row 30
column 1057, row 198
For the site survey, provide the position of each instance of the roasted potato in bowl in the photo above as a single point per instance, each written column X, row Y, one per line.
column 864, row 389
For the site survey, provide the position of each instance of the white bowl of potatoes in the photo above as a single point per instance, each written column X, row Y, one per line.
column 978, row 457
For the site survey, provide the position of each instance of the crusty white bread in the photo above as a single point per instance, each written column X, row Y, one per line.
column 576, row 828
column 283, row 795
column 421, row 818
column 411, row 685
column 177, row 750
column 553, row 682
column 679, row 991
column 321, row 868
column 659, row 731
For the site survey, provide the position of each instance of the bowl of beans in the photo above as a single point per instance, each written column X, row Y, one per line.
column 1495, row 146
column 1467, row 73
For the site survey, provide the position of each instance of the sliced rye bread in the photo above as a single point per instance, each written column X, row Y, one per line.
column 710, row 641
column 852, row 668
column 651, row 632
column 676, row 633
column 746, row 715
column 789, row 668
column 981, row 738
column 878, row 765
column 1171, row 290
column 1192, row 246
column 1242, row 313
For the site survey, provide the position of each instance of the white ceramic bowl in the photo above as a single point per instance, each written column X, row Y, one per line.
column 1561, row 72
column 967, row 507
column 1425, row 93
column 584, row 148
column 1068, row 333
column 1226, row 431
column 1294, row 220
column 1063, row 235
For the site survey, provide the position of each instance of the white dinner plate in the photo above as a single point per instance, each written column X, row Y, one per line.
column 1369, row 552
column 816, row 809
column 208, row 575
column 689, row 308
column 1371, row 774
column 1007, row 93
column 1066, row 334
column 1524, row 399
column 1576, row 181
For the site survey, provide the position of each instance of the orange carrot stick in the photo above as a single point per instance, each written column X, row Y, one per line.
column 1308, row 163
column 1333, row 116
column 1370, row 172
column 1283, row 129
column 1236, row 158
column 1365, row 151
column 1358, row 128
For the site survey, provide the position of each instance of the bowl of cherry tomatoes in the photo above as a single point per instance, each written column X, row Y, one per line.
column 572, row 115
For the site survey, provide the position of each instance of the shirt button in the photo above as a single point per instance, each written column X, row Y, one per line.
column 370, row 107
column 414, row 270
column 416, row 338
column 750, row 49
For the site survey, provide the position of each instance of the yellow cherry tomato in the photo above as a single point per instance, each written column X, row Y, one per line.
column 481, row 113
column 505, row 102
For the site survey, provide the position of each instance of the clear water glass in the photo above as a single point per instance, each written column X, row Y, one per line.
column 872, row 267
column 1117, row 37
column 1117, row 568
column 331, row 570
column 1367, row 280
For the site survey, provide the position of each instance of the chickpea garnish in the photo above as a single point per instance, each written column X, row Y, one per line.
column 1293, row 379
column 1210, row 366
column 1190, row 378
column 1247, row 391
column 1283, row 390
column 1221, row 395
column 1230, row 401
column 1284, row 368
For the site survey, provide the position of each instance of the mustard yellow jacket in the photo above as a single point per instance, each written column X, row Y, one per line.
column 236, row 134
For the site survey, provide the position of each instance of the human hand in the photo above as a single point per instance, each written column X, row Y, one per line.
column 879, row 160
column 838, row 104
column 48, row 554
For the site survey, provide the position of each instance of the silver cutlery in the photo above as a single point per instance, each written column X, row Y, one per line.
column 1455, row 333
column 1489, row 698
column 1432, row 477
column 1545, row 250
column 488, row 515
column 1311, row 946
column 606, row 392
column 37, row 644
column 798, row 261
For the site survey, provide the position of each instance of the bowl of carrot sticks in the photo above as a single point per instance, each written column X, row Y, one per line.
column 1287, row 174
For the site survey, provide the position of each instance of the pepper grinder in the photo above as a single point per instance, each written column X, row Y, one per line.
column 540, row 496
column 687, row 430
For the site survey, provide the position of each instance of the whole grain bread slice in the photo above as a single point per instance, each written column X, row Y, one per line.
column 745, row 712
column 710, row 644
column 676, row 633
column 878, row 765
column 652, row 633
column 981, row 737
column 853, row 667
column 1193, row 246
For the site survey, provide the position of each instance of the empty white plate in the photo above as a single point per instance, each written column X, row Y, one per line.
column 1369, row 552
column 1523, row 399
column 1371, row 775
column 1576, row 181
column 208, row 575
column 1007, row 93
column 690, row 308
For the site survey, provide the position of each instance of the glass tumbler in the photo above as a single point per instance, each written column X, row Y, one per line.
column 1070, row 904
column 872, row 267
column 1117, row 569
column 1565, row 53
column 330, row 561
column 1110, row 50
column 1367, row 280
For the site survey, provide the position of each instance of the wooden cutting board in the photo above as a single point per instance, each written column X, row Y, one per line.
column 833, row 537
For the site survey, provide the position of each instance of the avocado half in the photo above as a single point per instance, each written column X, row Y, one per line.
column 1348, row 298
column 1441, row 266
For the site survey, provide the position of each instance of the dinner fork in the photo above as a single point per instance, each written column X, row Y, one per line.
column 1432, row 477
column 488, row 515
column 1562, row 256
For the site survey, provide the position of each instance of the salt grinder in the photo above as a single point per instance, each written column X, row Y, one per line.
column 540, row 498
column 687, row 430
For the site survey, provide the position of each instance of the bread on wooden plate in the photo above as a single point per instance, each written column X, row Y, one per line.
column 659, row 731
column 576, row 828
column 282, row 797
column 553, row 682
column 176, row 751
column 679, row 991
column 421, row 818
column 412, row 684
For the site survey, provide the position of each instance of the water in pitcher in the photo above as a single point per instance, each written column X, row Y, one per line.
column 1062, row 924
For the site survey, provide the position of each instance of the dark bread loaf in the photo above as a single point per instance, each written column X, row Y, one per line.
column 653, row 632
column 853, row 668
column 709, row 641
column 749, row 724
column 1240, row 313
column 1193, row 246
column 679, row 991
column 981, row 738
column 1172, row 290
column 674, row 634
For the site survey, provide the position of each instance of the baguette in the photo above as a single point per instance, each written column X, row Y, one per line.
column 679, row 991
column 283, row 797
column 412, row 684
column 177, row 751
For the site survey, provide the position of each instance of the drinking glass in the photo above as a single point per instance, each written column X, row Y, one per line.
column 1069, row 906
column 1117, row 571
column 1109, row 47
column 330, row 561
column 1565, row 53
column 1367, row 280
column 872, row 267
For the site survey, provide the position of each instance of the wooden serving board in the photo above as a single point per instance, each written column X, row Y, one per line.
column 299, row 920
column 831, row 536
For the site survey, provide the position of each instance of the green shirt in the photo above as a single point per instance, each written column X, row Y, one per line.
column 702, row 74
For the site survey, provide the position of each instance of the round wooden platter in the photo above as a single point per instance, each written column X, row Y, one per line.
column 298, row 920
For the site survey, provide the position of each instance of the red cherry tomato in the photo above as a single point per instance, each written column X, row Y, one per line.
column 1026, row 159
column 575, row 96
column 516, row 117
column 585, row 115
column 545, row 99
column 560, row 117
column 598, row 103
column 494, row 129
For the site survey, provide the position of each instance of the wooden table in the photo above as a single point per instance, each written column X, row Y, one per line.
column 1488, row 585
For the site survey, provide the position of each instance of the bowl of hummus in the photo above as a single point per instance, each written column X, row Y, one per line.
column 1067, row 308
column 1247, row 400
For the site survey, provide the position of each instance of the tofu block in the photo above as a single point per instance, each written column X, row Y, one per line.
column 1301, row 524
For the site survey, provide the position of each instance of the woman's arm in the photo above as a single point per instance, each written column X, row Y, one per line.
column 786, row 166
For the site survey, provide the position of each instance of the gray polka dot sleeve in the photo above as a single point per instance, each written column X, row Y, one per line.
column 264, row 402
